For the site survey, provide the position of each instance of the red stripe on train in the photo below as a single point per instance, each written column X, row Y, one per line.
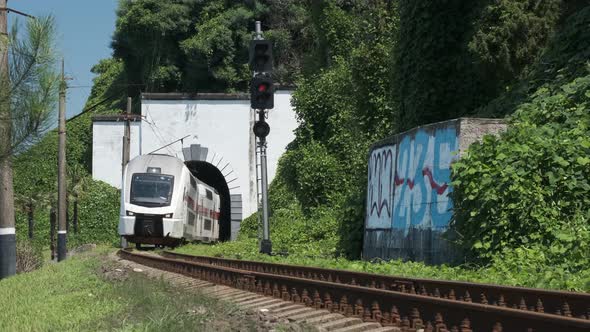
column 201, row 210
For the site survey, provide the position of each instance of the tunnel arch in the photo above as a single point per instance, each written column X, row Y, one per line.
column 212, row 169
column 212, row 176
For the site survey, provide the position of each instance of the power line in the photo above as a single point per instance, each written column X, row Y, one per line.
column 158, row 134
column 160, row 148
column 90, row 86
column 106, row 99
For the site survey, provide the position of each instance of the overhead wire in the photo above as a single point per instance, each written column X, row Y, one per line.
column 110, row 97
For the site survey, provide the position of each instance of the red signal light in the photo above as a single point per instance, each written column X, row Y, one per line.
column 262, row 88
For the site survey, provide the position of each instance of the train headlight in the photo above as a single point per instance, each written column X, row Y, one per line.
column 131, row 214
column 168, row 215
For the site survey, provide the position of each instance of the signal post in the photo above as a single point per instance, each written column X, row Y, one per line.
column 262, row 100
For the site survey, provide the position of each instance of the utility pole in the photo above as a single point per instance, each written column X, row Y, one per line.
column 126, row 153
column 127, row 136
column 61, row 172
column 7, row 230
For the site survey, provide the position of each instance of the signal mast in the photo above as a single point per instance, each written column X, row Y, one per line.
column 262, row 100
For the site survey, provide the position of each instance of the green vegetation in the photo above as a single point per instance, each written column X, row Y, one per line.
column 531, row 185
column 364, row 71
column 456, row 56
column 528, row 189
column 521, row 200
column 35, row 175
column 203, row 45
column 342, row 109
column 522, row 267
column 86, row 292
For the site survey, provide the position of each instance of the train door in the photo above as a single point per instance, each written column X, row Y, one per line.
column 186, row 211
column 199, row 213
column 208, row 227
column 215, row 217
column 191, row 207
column 217, row 213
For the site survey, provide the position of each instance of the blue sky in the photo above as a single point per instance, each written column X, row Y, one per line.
column 84, row 30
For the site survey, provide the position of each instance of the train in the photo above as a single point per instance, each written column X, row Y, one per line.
column 164, row 204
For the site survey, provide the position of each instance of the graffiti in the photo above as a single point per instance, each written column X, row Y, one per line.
column 409, row 181
column 440, row 189
column 380, row 189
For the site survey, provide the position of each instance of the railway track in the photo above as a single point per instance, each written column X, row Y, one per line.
column 407, row 303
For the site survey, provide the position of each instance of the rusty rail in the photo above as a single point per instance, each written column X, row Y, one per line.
column 408, row 311
column 569, row 304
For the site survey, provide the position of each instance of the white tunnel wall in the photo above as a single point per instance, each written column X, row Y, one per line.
column 221, row 126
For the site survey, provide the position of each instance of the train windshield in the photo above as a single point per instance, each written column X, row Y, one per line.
column 151, row 189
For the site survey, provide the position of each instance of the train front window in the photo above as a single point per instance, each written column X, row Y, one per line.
column 151, row 190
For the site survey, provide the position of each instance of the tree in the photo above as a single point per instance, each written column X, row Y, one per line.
column 78, row 182
column 203, row 45
column 29, row 203
column 28, row 86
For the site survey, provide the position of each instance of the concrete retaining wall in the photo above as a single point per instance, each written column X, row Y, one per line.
column 409, row 181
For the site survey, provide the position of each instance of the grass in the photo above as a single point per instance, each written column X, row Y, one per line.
column 519, row 268
column 87, row 293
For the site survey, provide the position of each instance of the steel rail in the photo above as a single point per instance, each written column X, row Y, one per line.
column 408, row 311
column 563, row 303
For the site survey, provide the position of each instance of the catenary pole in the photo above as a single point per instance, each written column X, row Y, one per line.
column 61, row 173
column 7, row 230
column 126, row 153
column 127, row 135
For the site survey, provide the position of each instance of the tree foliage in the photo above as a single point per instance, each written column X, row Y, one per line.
column 35, row 170
column 342, row 108
column 456, row 56
column 531, row 187
column 203, row 46
column 367, row 70
column 565, row 56
column 27, row 93
column 30, row 85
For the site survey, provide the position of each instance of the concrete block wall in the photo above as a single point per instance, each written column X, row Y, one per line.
column 409, row 181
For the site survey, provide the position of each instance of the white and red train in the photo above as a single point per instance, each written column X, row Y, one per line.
column 162, row 203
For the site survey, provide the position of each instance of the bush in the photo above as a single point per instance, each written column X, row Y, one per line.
column 531, row 187
column 98, row 216
column 313, row 175
column 29, row 256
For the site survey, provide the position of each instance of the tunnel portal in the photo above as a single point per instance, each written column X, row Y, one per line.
column 213, row 177
column 210, row 168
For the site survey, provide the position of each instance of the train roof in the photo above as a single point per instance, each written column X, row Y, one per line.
column 163, row 163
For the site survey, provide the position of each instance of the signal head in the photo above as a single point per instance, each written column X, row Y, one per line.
column 261, row 56
column 261, row 129
column 261, row 93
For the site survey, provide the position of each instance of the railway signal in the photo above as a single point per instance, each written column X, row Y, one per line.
column 262, row 99
column 261, row 56
column 261, row 129
column 261, row 93
column 261, row 63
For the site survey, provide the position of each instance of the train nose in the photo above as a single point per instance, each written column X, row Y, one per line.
column 148, row 226
column 147, row 229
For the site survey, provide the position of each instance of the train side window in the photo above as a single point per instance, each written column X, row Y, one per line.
column 209, row 194
column 191, row 218
column 207, row 225
column 193, row 182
